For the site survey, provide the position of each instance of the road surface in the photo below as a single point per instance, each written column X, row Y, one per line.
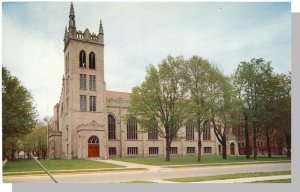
column 117, row 177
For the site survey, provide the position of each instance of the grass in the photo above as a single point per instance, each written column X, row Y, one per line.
column 206, row 160
column 229, row 176
column 275, row 181
column 223, row 164
column 31, row 165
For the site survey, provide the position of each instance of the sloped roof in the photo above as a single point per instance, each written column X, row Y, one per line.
column 116, row 95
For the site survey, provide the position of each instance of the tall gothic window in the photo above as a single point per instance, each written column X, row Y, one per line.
column 132, row 129
column 111, row 127
column 92, row 103
column 82, row 59
column 92, row 82
column 82, row 81
column 92, row 64
column 82, row 102
column 152, row 130
column 206, row 131
column 189, row 131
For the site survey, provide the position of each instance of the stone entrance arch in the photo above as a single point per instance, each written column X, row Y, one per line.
column 93, row 146
column 232, row 151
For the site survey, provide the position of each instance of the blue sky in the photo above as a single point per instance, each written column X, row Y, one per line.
column 139, row 34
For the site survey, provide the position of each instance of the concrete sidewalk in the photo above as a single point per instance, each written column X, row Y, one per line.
column 133, row 165
column 117, row 177
column 248, row 180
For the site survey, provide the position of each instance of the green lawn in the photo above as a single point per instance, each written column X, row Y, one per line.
column 275, row 181
column 160, row 161
column 31, row 165
column 229, row 176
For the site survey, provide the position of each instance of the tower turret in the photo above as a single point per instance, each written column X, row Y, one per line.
column 101, row 33
column 66, row 37
column 72, row 22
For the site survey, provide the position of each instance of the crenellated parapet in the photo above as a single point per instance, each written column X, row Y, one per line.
column 72, row 33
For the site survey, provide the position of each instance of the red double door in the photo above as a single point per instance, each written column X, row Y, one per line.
column 94, row 150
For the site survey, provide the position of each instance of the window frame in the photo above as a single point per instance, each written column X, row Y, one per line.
column 153, row 150
column 189, row 132
column 132, row 150
column 82, row 81
column 92, row 60
column 82, row 59
column 206, row 131
column 92, row 103
column 132, row 129
column 83, row 103
column 92, row 82
column 111, row 123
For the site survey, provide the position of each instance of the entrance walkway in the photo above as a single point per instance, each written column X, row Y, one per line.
column 132, row 165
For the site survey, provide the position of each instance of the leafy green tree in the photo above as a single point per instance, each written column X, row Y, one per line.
column 160, row 99
column 251, row 80
column 224, row 107
column 36, row 141
column 197, row 73
column 276, row 110
column 18, row 111
column 283, row 109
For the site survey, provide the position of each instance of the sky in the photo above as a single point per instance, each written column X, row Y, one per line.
column 139, row 34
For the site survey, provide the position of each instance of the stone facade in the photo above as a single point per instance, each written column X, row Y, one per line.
column 76, row 121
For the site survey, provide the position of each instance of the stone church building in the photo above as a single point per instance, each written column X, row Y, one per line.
column 88, row 120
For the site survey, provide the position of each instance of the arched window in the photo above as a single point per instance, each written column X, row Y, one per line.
column 132, row 129
column 152, row 129
column 93, row 140
column 92, row 64
column 206, row 131
column 111, row 127
column 82, row 59
column 189, row 131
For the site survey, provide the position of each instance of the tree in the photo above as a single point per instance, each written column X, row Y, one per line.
column 251, row 80
column 224, row 107
column 18, row 111
column 283, row 103
column 196, row 78
column 160, row 99
column 269, row 109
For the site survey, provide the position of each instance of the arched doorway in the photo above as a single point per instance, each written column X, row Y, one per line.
column 93, row 147
column 232, row 151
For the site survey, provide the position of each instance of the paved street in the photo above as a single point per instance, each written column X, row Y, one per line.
column 158, row 174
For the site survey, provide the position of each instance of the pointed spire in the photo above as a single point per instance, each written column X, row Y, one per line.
column 100, row 28
column 72, row 10
column 72, row 23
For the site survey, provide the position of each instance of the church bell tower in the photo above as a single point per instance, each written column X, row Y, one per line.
column 83, row 93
